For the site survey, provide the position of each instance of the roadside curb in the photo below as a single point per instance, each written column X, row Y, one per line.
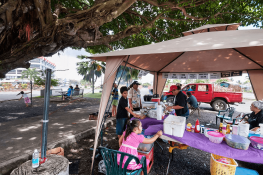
column 7, row 166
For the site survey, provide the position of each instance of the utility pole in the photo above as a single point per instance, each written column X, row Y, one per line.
column 45, row 116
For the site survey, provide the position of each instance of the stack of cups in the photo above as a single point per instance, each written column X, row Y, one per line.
column 235, row 129
column 159, row 112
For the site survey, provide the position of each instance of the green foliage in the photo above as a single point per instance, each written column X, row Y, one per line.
column 188, row 81
column 176, row 81
column 24, row 86
column 231, row 11
column 90, row 69
column 127, row 73
column 41, row 81
column 199, row 81
column 31, row 74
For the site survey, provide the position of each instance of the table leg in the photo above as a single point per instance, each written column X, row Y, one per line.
column 167, row 171
column 159, row 146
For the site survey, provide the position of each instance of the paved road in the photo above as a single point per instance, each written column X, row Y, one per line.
column 12, row 95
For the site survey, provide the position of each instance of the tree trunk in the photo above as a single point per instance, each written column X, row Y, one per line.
column 29, row 29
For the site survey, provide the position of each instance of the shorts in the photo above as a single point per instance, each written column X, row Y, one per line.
column 120, row 125
column 115, row 102
column 27, row 100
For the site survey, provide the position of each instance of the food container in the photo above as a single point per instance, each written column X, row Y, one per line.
column 220, row 168
column 257, row 142
column 145, row 147
column 174, row 125
column 152, row 114
column 151, row 105
column 237, row 141
column 207, row 130
column 215, row 137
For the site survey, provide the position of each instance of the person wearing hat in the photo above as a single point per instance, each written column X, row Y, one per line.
column 134, row 96
column 180, row 105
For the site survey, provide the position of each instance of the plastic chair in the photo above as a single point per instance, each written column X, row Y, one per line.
column 245, row 171
column 110, row 160
column 230, row 111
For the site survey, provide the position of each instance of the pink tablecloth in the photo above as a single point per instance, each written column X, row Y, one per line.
column 199, row 141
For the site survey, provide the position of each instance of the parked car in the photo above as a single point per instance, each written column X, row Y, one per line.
column 205, row 93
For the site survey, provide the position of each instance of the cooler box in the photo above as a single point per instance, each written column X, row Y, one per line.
column 174, row 125
column 149, row 156
column 156, row 100
column 152, row 105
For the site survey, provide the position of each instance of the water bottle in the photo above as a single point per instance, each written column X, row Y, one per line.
column 35, row 159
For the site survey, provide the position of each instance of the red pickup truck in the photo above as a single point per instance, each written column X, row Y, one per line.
column 205, row 93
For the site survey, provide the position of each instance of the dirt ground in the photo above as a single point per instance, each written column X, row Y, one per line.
column 186, row 162
column 16, row 109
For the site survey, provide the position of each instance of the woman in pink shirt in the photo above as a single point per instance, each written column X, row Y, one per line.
column 130, row 140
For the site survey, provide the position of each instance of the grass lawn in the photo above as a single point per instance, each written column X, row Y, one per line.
column 95, row 95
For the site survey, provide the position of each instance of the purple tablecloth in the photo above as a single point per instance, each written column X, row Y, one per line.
column 199, row 141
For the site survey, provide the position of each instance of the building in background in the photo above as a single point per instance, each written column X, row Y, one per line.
column 40, row 63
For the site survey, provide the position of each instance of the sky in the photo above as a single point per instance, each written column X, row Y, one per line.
column 67, row 59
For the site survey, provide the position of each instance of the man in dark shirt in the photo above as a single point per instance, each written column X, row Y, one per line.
column 122, row 112
column 180, row 105
column 76, row 88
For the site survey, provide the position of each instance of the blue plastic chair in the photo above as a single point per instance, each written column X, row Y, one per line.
column 112, row 167
column 229, row 111
column 245, row 171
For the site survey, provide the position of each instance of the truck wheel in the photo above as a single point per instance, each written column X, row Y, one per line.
column 219, row 105
column 170, row 99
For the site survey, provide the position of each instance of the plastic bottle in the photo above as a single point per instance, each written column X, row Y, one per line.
column 189, row 127
column 35, row 159
column 220, row 127
column 197, row 126
column 228, row 129
column 224, row 129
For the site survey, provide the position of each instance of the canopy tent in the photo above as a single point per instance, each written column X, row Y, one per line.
column 212, row 28
column 219, row 51
column 205, row 52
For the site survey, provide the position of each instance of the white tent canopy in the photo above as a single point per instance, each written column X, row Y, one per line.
column 217, row 51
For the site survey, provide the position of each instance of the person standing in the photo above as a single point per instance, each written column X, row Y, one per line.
column 122, row 112
column 134, row 97
column 180, row 104
column 115, row 99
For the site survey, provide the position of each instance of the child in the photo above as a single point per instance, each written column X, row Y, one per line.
column 115, row 99
column 26, row 99
column 122, row 112
column 130, row 141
